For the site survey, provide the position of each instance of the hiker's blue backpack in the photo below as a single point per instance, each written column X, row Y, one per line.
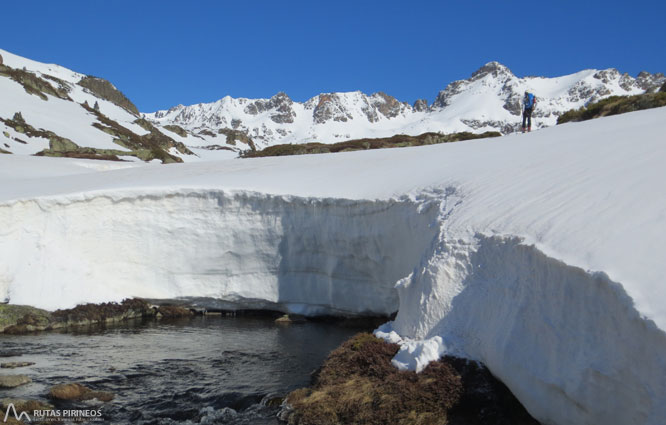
column 529, row 103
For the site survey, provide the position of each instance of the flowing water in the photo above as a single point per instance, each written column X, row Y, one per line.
column 199, row 370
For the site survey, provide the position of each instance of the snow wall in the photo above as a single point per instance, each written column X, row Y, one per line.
column 231, row 250
column 567, row 342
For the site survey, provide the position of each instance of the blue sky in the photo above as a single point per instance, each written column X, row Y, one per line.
column 162, row 53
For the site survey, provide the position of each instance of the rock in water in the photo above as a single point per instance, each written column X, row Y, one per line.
column 14, row 365
column 12, row 381
column 24, row 405
column 77, row 392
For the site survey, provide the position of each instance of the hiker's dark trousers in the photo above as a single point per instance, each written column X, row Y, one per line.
column 527, row 118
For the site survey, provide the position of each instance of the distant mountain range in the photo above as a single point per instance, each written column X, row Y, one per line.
column 64, row 113
column 489, row 100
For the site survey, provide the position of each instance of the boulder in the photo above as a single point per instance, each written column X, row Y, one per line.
column 77, row 392
column 12, row 381
column 25, row 405
column 290, row 318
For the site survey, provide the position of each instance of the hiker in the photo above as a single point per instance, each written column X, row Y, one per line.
column 528, row 106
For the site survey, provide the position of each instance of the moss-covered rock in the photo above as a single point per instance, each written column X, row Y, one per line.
column 25, row 405
column 59, row 146
column 33, row 84
column 20, row 319
column 176, row 129
column 105, row 90
column 154, row 145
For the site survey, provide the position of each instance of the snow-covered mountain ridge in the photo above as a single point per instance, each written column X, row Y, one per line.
column 59, row 117
column 49, row 110
column 489, row 100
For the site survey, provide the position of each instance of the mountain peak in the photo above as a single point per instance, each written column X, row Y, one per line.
column 491, row 68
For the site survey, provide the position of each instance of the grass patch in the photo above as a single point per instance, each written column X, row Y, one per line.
column 615, row 105
column 358, row 384
column 397, row 141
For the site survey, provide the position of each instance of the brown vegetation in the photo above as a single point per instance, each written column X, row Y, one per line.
column 615, row 105
column 358, row 384
column 105, row 312
column 397, row 141
column 173, row 311
column 18, row 319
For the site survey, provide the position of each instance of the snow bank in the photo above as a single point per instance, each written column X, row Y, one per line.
column 246, row 250
column 567, row 342
column 540, row 255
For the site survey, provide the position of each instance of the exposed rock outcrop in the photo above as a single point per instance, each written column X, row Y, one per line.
column 420, row 105
column 108, row 91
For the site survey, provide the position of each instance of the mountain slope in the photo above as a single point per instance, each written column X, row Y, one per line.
column 488, row 101
column 52, row 111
